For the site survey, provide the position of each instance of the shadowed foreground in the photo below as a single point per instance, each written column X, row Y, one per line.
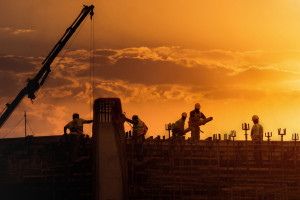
column 50, row 168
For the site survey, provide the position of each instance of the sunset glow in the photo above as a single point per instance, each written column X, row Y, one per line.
column 236, row 58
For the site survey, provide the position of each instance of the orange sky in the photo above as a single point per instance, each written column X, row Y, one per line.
column 237, row 58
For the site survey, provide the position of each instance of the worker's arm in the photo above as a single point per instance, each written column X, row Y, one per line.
column 88, row 121
column 65, row 129
column 129, row 120
column 252, row 130
column 202, row 116
column 261, row 132
column 124, row 118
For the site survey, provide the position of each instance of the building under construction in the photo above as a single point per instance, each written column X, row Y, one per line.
column 105, row 166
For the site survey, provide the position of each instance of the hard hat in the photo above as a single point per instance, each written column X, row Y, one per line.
column 197, row 106
column 255, row 117
column 184, row 114
column 75, row 115
column 134, row 117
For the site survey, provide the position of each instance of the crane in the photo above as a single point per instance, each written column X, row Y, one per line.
column 34, row 84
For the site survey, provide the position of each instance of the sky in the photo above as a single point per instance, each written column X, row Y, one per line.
column 236, row 58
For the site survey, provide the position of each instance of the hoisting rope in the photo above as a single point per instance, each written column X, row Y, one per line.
column 92, row 68
column 29, row 127
column 66, row 51
column 15, row 126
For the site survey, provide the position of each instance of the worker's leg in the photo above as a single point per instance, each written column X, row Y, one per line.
column 197, row 133
column 257, row 154
column 193, row 133
column 75, row 141
column 139, row 148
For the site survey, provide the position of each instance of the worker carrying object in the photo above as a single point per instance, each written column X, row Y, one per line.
column 257, row 130
column 139, row 131
column 76, row 125
column 178, row 126
column 196, row 119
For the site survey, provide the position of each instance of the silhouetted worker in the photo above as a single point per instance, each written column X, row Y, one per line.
column 76, row 125
column 196, row 118
column 257, row 138
column 257, row 130
column 178, row 126
column 139, row 131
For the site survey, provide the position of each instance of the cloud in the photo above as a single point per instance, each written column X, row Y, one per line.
column 21, row 31
column 162, row 75
column 152, row 69
column 16, row 31
column 5, row 29
column 19, row 64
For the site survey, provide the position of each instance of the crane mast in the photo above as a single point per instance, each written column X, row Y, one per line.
column 34, row 84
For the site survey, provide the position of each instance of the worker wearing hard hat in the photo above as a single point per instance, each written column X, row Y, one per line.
column 257, row 130
column 139, row 129
column 196, row 118
column 76, row 125
column 178, row 126
column 76, row 134
column 257, row 138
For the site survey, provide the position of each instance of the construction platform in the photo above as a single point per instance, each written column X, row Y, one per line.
column 51, row 167
column 58, row 167
column 215, row 169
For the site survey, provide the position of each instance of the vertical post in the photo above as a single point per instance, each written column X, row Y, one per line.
column 25, row 123
column 227, row 140
column 225, row 137
column 233, row 134
column 281, row 134
column 282, row 157
column 246, row 127
column 168, row 127
column 268, row 135
column 295, row 137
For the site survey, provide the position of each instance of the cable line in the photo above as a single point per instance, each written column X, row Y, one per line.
column 13, row 127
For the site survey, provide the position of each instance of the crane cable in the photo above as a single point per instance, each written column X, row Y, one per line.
column 67, row 50
column 17, row 124
column 92, row 67
column 58, row 63
column 27, row 122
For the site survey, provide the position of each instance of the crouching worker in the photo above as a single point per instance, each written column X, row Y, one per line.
column 139, row 131
column 75, row 140
column 178, row 126
column 76, row 125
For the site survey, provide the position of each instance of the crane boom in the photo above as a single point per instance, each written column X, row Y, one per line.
column 34, row 84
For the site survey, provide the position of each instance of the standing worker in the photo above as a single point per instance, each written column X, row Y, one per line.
column 139, row 131
column 196, row 118
column 257, row 130
column 178, row 126
column 257, row 138
column 76, row 125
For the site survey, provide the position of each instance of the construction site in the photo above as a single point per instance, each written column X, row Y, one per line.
column 105, row 166
column 62, row 167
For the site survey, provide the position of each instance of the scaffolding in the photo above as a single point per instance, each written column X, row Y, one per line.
column 215, row 169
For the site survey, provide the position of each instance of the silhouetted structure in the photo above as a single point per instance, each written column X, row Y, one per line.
column 106, row 166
